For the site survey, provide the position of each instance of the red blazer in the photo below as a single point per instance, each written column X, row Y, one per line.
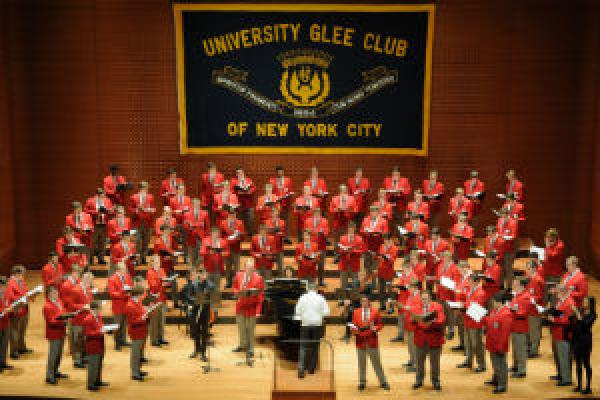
column 450, row 272
column 302, row 215
column 422, row 209
column 64, row 290
column 136, row 326
column 387, row 258
column 51, row 275
column 218, row 204
column 306, row 266
column 373, row 232
column 209, row 189
column 554, row 259
column 471, row 189
column 497, row 244
column 457, row 207
column 342, row 215
column 493, row 271
column 246, row 198
column 110, row 188
column 319, row 230
column 94, row 211
column 66, row 260
column 160, row 221
column 118, row 254
column 366, row 338
column 509, row 229
column 282, row 190
column 115, row 230
column 118, row 295
column 412, row 303
column 156, row 286
column 403, row 186
column 560, row 323
column 279, row 236
column 167, row 190
column 434, row 254
column 5, row 320
column 577, row 284
column 431, row 333
column 55, row 328
column 521, row 309
column 360, row 191
column 167, row 247
column 264, row 212
column 94, row 337
column 76, row 300
column 516, row 210
column 86, row 226
column 436, row 190
column 518, row 189
column 250, row 306
column 197, row 227
column 422, row 232
column 214, row 262
column 461, row 247
column 141, row 213
column 227, row 231
column 350, row 255
column 476, row 296
column 13, row 292
column 386, row 209
column 261, row 253
column 536, row 288
column 498, row 328
column 180, row 208
column 319, row 188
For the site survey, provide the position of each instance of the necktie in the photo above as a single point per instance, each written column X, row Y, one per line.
column 196, row 213
column 365, row 314
column 121, row 222
column 281, row 183
column 343, row 201
column 172, row 183
column 431, row 185
column 142, row 199
column 426, row 308
column 473, row 182
column 262, row 242
column 373, row 222
column 77, row 221
column 433, row 246
column 180, row 199
column 395, row 183
column 230, row 224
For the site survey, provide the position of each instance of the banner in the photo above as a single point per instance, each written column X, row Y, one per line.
column 303, row 78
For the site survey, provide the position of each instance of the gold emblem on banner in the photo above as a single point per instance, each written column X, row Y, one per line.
column 305, row 80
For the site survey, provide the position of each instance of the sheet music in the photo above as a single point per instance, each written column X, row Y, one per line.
column 448, row 283
column 455, row 304
column 501, row 196
column 476, row 312
column 540, row 309
column 110, row 327
column 507, row 237
column 479, row 253
column 540, row 252
column 402, row 230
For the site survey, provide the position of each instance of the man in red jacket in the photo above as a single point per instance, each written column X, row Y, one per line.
column 214, row 251
column 77, row 300
column 142, row 209
column 418, row 207
column 318, row 187
column 493, row 274
column 417, row 232
column 366, row 323
column 4, row 325
column 82, row 224
column 304, row 207
column 508, row 229
column 180, row 204
column 15, row 290
column 462, row 238
column 460, row 205
column 448, row 277
column 429, row 338
column 318, row 226
column 232, row 230
column 412, row 302
column 119, row 286
column 137, row 325
column 276, row 227
column 118, row 225
column 398, row 189
column 494, row 242
column 248, row 288
column 307, row 258
column 434, row 247
column 536, row 288
column 224, row 202
column 342, row 208
column 433, row 191
column 514, row 186
column 168, row 187
column 166, row 248
column 520, row 307
column 52, row 272
column 99, row 207
column 554, row 257
column 210, row 184
column 560, row 342
column 115, row 185
column 262, row 249
column 475, row 191
column 351, row 248
column 386, row 255
column 474, row 329
column 575, row 281
column 497, row 327
column 55, row 334
column 93, row 330
column 266, row 204
column 373, row 227
column 244, row 189
column 197, row 226
column 359, row 187
column 282, row 188
column 157, row 287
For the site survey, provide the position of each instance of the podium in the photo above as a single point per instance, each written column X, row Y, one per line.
column 317, row 386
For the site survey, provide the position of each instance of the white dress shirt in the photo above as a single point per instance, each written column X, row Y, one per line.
column 311, row 308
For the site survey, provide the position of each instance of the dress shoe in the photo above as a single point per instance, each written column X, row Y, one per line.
column 143, row 373
column 385, row 386
column 417, row 385
column 560, row 383
column 7, row 367
column 118, row 348
column 238, row 349
column 101, row 261
column 533, row 355
column 60, row 375
column 411, row 369
column 577, row 389
column 361, row 387
column 79, row 365
column 144, row 360
column 499, row 390
column 155, row 344
column 586, row 391
column 203, row 358
column 518, row 375
column 51, row 381
column 513, row 369
column 464, row 365
column 138, row 378
column 450, row 336
column 322, row 283
column 228, row 285
column 14, row 356
column 397, row 339
column 287, row 241
column 102, row 384
column 162, row 341
column 194, row 354
column 491, row 382
column 479, row 370
column 92, row 388
column 408, row 364
column 25, row 351
column 301, row 374
column 250, row 354
column 554, row 377
column 311, row 371
column 458, row 348
column 126, row 344
column 437, row 386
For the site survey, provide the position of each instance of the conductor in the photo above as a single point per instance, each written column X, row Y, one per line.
column 196, row 298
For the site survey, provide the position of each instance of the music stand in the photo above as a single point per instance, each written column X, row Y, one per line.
column 202, row 300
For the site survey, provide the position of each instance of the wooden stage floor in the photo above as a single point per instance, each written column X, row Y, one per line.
column 173, row 375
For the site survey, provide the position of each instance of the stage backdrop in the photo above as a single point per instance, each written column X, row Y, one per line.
column 258, row 78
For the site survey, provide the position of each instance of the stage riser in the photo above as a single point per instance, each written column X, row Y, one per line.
column 387, row 319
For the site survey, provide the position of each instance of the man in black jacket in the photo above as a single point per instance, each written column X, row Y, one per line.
column 196, row 298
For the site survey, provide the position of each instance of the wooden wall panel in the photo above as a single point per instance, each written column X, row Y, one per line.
column 507, row 91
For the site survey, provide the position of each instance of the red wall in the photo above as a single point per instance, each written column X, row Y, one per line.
column 93, row 82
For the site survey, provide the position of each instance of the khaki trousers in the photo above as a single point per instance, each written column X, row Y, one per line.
column 246, row 328
column 373, row 353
